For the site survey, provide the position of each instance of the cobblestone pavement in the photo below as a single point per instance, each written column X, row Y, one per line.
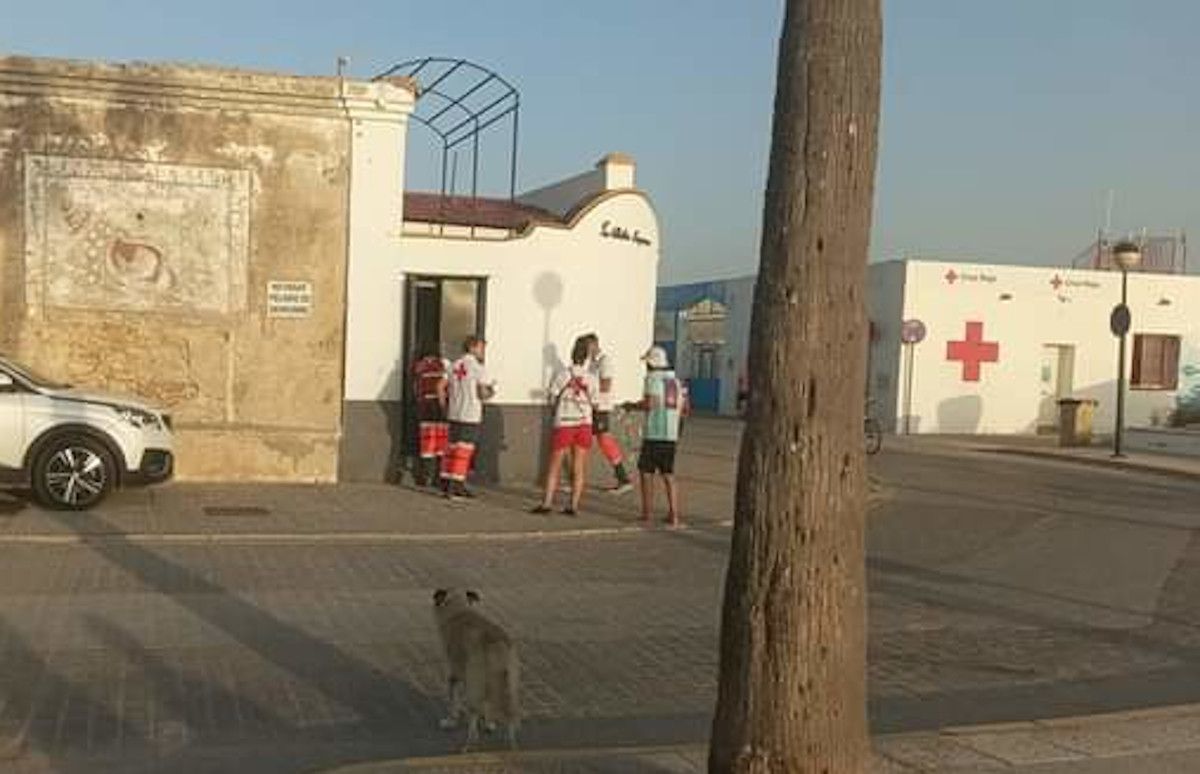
column 1001, row 589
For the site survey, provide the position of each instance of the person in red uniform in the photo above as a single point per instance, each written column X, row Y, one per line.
column 469, row 386
column 602, row 367
column 433, row 431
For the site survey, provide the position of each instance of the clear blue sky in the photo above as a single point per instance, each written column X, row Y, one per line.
column 1004, row 123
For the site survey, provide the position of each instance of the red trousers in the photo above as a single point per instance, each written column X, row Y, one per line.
column 434, row 439
column 456, row 462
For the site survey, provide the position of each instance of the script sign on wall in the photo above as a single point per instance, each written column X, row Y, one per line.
column 135, row 236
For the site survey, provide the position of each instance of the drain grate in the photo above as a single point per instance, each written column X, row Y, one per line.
column 236, row 510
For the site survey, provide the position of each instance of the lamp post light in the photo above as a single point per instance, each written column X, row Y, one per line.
column 1127, row 256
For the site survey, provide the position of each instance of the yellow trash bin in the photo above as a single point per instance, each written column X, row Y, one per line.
column 1075, row 421
column 1083, row 421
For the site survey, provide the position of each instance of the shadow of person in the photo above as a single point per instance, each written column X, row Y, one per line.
column 12, row 503
column 552, row 363
column 548, row 291
column 397, row 421
column 492, row 444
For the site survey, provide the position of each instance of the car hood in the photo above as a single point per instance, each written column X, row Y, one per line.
column 99, row 396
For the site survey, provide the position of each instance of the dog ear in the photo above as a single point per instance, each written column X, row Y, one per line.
column 472, row 597
column 439, row 597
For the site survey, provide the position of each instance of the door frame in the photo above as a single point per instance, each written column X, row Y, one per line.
column 408, row 293
column 1062, row 350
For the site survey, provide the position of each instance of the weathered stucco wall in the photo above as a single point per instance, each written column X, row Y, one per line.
column 143, row 212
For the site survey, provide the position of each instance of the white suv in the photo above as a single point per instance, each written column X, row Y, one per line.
column 74, row 446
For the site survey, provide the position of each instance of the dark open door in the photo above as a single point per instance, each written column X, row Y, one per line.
column 440, row 312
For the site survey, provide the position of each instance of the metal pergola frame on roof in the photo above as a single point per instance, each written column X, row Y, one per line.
column 458, row 100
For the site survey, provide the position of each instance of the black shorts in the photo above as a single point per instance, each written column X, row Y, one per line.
column 430, row 411
column 464, row 432
column 600, row 422
column 657, row 457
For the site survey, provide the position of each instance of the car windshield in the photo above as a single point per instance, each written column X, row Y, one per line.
column 31, row 376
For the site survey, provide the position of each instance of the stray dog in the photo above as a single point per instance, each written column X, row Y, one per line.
column 484, row 674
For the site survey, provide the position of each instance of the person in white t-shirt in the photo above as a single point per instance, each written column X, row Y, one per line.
column 572, row 395
column 467, row 389
column 602, row 368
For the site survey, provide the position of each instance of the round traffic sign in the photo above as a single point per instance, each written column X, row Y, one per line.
column 912, row 331
column 1120, row 320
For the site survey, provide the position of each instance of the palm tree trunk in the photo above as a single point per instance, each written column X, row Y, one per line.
column 792, row 695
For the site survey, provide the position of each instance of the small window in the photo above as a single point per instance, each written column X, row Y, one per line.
column 1155, row 362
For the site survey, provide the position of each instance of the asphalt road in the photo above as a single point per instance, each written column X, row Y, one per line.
column 1000, row 589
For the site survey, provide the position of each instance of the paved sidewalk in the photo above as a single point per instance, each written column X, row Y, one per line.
column 1046, row 448
column 1142, row 741
column 269, row 512
column 375, row 512
column 1139, row 462
column 1161, row 741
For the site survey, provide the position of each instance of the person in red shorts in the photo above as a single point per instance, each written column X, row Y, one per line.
column 433, row 431
column 572, row 395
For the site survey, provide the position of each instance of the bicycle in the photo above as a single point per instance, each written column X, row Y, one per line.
column 626, row 425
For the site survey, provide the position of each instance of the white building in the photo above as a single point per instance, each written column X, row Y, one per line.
column 529, row 275
column 1002, row 344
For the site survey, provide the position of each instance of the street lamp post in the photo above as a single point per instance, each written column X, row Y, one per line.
column 1127, row 255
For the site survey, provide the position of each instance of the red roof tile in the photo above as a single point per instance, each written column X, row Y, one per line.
column 421, row 207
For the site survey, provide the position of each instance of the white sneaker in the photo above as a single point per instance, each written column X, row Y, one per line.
column 621, row 489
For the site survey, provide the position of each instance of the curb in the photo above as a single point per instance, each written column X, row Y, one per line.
column 1095, row 462
column 1131, row 736
column 996, row 746
column 180, row 538
column 487, row 761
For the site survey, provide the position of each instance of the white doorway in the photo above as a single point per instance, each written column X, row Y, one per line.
column 1056, row 381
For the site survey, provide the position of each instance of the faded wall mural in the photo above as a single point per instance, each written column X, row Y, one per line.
column 135, row 236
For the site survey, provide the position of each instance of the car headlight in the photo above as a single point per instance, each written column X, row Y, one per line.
column 137, row 417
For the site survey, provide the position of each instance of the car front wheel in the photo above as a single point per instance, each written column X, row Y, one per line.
column 73, row 473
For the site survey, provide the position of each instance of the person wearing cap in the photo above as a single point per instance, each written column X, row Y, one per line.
column 468, row 388
column 664, row 401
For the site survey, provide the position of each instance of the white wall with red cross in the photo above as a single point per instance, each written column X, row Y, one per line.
column 980, row 368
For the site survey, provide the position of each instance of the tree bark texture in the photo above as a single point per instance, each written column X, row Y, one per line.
column 792, row 694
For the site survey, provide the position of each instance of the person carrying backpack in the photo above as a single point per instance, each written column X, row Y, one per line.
column 573, row 393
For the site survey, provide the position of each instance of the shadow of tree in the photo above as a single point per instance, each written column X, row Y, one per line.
column 28, row 683
column 12, row 504
column 380, row 702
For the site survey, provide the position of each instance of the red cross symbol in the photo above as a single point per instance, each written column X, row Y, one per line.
column 973, row 351
column 951, row 276
column 1057, row 282
column 460, row 371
